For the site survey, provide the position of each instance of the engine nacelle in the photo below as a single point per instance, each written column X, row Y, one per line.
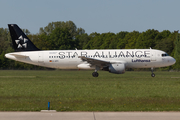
column 115, row 68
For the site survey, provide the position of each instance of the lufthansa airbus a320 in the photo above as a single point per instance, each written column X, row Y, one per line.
column 112, row 60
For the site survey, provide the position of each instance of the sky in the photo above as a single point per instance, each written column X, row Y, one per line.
column 99, row 16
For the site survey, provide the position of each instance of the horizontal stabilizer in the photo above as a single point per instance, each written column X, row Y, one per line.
column 17, row 55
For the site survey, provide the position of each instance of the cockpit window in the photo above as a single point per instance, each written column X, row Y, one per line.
column 163, row 55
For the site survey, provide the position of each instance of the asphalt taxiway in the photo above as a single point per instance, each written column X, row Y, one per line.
column 89, row 115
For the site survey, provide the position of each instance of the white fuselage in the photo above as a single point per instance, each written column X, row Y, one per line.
column 69, row 59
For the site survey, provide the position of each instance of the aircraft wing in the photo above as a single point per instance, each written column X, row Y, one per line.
column 98, row 62
column 94, row 61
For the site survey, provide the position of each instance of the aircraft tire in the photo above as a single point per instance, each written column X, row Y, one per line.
column 95, row 74
column 152, row 75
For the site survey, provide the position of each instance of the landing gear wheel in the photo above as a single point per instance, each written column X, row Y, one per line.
column 95, row 74
column 152, row 75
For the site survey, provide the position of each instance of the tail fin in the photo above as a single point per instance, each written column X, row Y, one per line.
column 20, row 41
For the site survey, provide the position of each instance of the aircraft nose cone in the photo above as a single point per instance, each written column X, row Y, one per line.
column 173, row 61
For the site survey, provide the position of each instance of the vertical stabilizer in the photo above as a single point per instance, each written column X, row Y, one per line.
column 20, row 41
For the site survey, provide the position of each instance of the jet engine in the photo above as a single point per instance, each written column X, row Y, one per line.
column 115, row 68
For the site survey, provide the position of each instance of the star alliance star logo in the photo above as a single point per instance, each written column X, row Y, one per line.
column 21, row 42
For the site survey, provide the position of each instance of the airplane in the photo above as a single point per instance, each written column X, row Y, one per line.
column 112, row 60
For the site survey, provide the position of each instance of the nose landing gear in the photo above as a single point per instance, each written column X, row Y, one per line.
column 152, row 75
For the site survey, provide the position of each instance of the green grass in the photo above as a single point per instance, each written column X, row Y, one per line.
column 79, row 91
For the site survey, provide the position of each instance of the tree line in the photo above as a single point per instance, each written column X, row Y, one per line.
column 65, row 35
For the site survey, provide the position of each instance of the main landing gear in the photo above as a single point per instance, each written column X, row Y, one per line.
column 96, row 74
column 152, row 75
